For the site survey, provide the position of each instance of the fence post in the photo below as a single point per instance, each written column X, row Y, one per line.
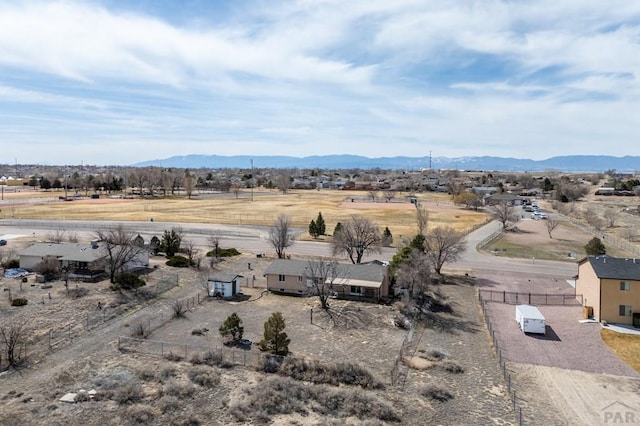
column 504, row 296
column 529, row 298
column 161, row 348
column 118, row 342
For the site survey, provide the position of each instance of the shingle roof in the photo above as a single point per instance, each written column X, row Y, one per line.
column 364, row 271
column 615, row 267
column 223, row 277
column 65, row 251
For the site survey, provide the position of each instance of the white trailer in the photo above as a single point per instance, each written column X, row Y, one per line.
column 530, row 319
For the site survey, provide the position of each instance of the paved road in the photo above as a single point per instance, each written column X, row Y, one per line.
column 473, row 261
column 244, row 238
column 254, row 239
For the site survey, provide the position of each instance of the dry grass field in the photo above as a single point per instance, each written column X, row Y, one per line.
column 626, row 346
column 301, row 206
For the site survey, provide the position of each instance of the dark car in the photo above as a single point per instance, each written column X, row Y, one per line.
column 3, row 242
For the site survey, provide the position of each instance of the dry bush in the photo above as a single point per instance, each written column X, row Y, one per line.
column 452, row 367
column 169, row 404
column 284, row 395
column 140, row 414
column 317, row 372
column 179, row 390
column 179, row 309
column 204, row 376
column 115, row 379
column 418, row 363
column 270, row 363
column 436, row 355
column 436, row 393
column 147, row 374
column 129, row 394
column 173, row 357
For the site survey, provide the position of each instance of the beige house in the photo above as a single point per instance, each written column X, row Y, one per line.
column 366, row 281
column 611, row 287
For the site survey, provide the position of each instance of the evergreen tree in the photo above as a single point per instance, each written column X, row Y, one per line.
column 595, row 247
column 387, row 237
column 337, row 229
column 45, row 184
column 232, row 326
column 171, row 241
column 313, row 229
column 320, row 225
column 275, row 340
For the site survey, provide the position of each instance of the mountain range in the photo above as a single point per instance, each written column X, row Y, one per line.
column 568, row 163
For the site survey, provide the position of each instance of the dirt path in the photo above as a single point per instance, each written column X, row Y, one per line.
column 555, row 396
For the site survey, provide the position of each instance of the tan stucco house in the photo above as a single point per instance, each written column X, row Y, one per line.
column 611, row 287
column 365, row 281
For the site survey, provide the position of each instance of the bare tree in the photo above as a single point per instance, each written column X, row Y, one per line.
column 422, row 218
column 389, row 195
column 629, row 234
column 611, row 215
column 444, row 245
column 235, row 188
column 281, row 235
column 283, row 181
column 57, row 235
column 373, row 195
column 120, row 248
column 214, row 240
column 189, row 248
column 13, row 334
column 593, row 219
column 189, row 182
column 504, row 213
column 551, row 225
column 322, row 276
column 413, row 274
column 356, row 238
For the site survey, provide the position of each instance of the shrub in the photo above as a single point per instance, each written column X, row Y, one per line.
column 178, row 261
column 142, row 414
column 436, row 393
column 18, row 301
column 204, row 376
column 271, row 363
column 147, row 374
column 453, row 367
column 228, row 252
column 179, row 390
column 317, row 372
column 595, row 247
column 129, row 281
column 173, row 357
column 169, row 404
column 436, row 355
column 232, row 326
column 129, row 394
column 12, row 263
column 275, row 340
column 179, row 309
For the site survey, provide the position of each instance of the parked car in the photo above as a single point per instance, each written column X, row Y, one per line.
column 3, row 242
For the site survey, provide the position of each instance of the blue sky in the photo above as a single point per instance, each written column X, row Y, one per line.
column 118, row 82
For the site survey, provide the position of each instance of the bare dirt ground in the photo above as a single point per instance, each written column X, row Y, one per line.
column 363, row 334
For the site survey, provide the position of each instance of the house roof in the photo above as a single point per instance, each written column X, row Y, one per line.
column 76, row 252
column 619, row 268
column 362, row 272
column 223, row 277
column 500, row 196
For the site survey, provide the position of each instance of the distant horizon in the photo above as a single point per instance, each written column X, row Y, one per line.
column 120, row 82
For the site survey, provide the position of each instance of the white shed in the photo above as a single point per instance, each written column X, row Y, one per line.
column 530, row 319
column 223, row 285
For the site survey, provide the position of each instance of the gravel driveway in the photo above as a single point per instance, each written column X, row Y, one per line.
column 567, row 344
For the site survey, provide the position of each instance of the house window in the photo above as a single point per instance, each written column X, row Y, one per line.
column 356, row 290
column 281, row 278
column 625, row 286
column 625, row 310
column 299, row 279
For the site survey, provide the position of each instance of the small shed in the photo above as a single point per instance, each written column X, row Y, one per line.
column 530, row 319
column 223, row 285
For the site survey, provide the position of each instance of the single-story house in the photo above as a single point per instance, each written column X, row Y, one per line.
column 81, row 260
column 502, row 198
column 365, row 281
column 610, row 286
column 223, row 284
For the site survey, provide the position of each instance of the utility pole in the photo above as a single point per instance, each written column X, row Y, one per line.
column 251, row 179
column 66, row 172
column 429, row 159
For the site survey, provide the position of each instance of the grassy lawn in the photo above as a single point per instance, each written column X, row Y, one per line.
column 626, row 346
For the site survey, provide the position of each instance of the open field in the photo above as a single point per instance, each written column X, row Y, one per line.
column 531, row 239
column 301, row 206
